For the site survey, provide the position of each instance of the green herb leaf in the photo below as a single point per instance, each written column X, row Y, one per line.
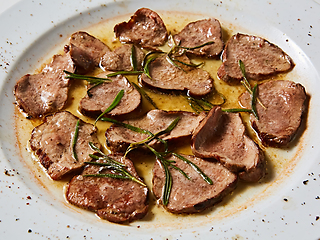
column 236, row 110
column 146, row 66
column 253, row 102
column 90, row 79
column 124, row 73
column 196, row 47
column 143, row 93
column 74, row 141
column 133, row 58
column 115, row 102
column 173, row 63
column 195, row 167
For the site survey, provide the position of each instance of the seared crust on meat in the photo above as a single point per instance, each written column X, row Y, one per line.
column 119, row 138
column 222, row 136
column 103, row 95
column 145, row 28
column 45, row 92
column 261, row 59
column 115, row 200
column 52, row 143
column 198, row 33
column 194, row 195
column 284, row 104
column 165, row 76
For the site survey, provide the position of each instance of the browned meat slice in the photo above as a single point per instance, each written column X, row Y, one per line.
column 144, row 28
column 104, row 94
column 119, row 138
column 222, row 136
column 52, row 143
column 115, row 200
column 194, row 195
column 201, row 32
column 86, row 51
column 46, row 92
column 120, row 59
column 284, row 102
column 260, row 57
column 166, row 76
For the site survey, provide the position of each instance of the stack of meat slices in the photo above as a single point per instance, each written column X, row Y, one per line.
column 223, row 152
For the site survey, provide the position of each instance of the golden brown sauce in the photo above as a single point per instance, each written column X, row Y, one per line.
column 278, row 160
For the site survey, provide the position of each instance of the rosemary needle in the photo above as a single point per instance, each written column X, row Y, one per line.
column 74, row 141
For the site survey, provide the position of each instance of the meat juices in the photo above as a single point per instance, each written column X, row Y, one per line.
column 194, row 195
column 261, row 58
column 52, row 143
column 145, row 28
column 201, row 32
column 103, row 95
column 119, row 138
column 45, row 92
column 222, row 136
column 115, row 200
column 284, row 103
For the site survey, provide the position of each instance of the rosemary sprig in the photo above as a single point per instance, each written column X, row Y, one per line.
column 133, row 58
column 195, row 167
column 124, row 73
column 115, row 102
column 196, row 47
column 90, row 79
column 112, row 164
column 253, row 101
column 236, row 110
column 153, row 136
column 74, row 141
column 247, row 85
column 146, row 96
column 146, row 66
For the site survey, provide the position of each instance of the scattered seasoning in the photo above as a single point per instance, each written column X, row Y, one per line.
column 305, row 182
column 317, row 218
column 30, row 231
column 317, row 197
column 285, row 199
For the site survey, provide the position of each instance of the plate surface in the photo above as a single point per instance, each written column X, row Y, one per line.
column 287, row 208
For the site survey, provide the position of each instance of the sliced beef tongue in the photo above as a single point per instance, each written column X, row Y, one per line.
column 200, row 32
column 52, row 143
column 194, row 195
column 119, row 138
column 46, row 92
column 121, row 58
column 260, row 57
column 222, row 136
column 166, row 76
column 86, row 51
column 284, row 104
column 116, row 200
column 103, row 95
column 145, row 28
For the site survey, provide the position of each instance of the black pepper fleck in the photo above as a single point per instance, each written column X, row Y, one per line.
column 317, row 218
column 285, row 199
column 30, row 231
column 305, row 182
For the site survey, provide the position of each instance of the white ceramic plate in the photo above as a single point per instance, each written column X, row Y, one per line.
column 287, row 208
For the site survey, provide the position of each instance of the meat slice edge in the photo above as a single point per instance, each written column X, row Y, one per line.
column 195, row 195
column 261, row 59
column 86, row 51
column 115, row 200
column 52, row 143
column 165, row 76
column 119, row 138
column 104, row 94
column 284, row 105
column 200, row 32
column 46, row 92
column 222, row 136
column 120, row 58
column 144, row 28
